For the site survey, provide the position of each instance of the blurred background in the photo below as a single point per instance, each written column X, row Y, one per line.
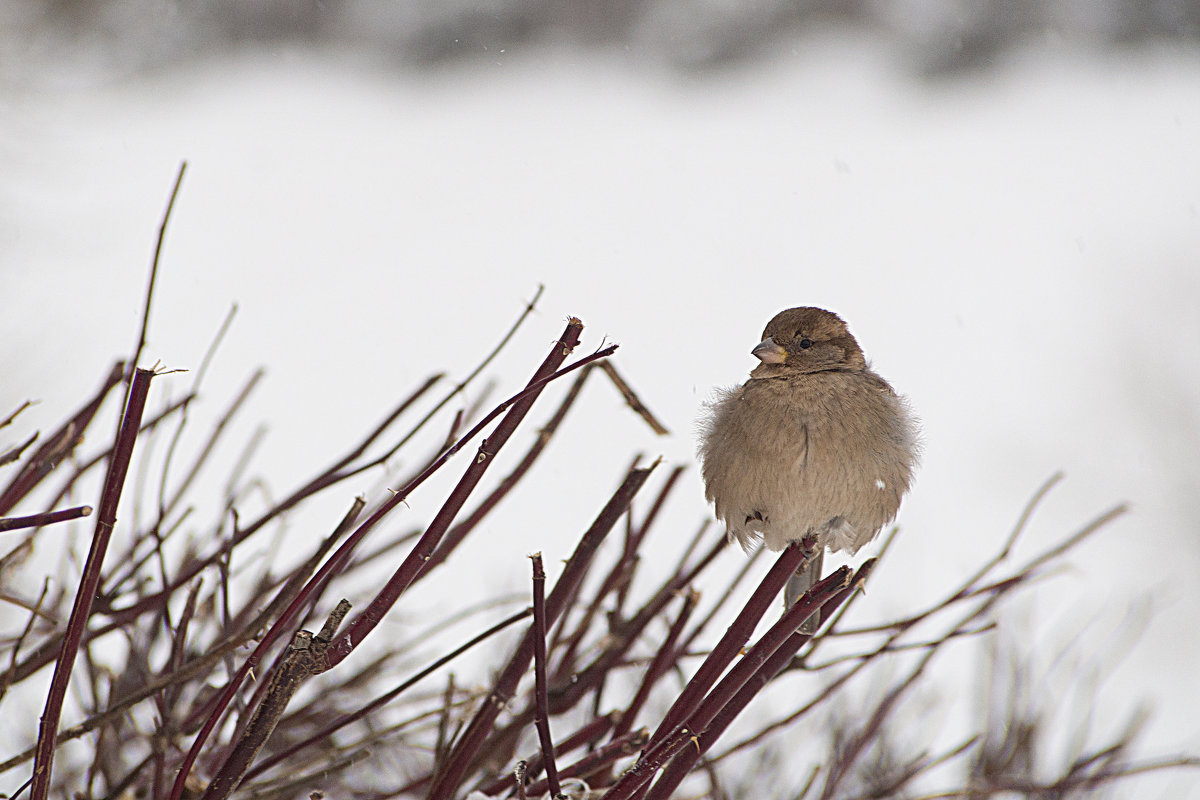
column 1002, row 199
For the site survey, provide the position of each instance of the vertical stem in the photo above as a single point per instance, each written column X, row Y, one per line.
column 106, row 519
column 541, row 719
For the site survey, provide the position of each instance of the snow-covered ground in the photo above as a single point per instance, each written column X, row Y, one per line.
column 1018, row 251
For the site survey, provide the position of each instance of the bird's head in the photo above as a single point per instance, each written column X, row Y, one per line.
column 807, row 340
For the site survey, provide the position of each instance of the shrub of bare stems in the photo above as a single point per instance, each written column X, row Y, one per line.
column 612, row 688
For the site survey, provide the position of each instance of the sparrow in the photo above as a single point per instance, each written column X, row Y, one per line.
column 815, row 447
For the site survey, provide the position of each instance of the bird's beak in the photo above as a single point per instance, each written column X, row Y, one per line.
column 768, row 352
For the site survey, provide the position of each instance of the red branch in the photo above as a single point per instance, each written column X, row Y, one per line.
column 90, row 580
column 47, row 518
column 541, row 719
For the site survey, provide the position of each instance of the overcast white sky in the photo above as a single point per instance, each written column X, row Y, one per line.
column 1017, row 251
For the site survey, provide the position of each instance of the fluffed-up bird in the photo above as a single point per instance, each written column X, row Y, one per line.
column 814, row 447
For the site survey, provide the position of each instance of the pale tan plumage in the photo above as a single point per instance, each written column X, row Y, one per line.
column 814, row 444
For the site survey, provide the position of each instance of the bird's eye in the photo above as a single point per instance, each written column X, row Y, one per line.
column 805, row 344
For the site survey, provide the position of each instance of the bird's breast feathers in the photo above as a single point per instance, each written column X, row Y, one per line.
column 828, row 453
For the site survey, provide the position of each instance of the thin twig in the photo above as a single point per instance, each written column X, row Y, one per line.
column 588, row 734
column 456, row 534
column 58, row 445
column 165, row 506
column 153, row 278
column 599, row 758
column 632, row 399
column 619, row 576
column 541, row 719
column 667, row 654
column 49, row 518
column 4, row 423
column 14, row 453
column 35, row 611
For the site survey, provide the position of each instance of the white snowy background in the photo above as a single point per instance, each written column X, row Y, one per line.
column 1017, row 249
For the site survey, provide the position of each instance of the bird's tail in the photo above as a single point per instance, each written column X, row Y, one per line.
column 808, row 573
